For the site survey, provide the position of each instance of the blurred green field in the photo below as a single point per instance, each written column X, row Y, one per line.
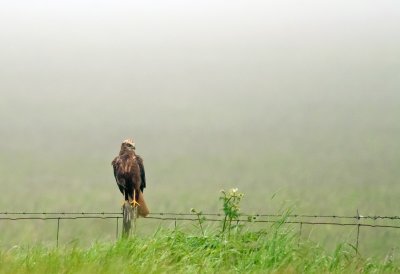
column 314, row 160
column 306, row 118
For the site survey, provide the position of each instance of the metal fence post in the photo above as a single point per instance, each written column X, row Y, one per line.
column 358, row 230
column 358, row 236
column 300, row 230
column 117, row 229
column 58, row 229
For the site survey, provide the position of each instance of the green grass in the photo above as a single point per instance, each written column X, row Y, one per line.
column 228, row 247
column 273, row 250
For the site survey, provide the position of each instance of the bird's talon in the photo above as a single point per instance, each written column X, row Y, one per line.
column 134, row 203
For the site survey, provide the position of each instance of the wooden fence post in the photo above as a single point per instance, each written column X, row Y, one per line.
column 134, row 219
column 129, row 216
column 127, row 219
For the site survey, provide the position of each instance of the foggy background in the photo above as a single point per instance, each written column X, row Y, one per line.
column 294, row 98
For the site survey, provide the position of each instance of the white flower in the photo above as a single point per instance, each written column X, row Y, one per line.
column 233, row 192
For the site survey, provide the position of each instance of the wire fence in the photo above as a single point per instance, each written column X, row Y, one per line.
column 299, row 219
column 358, row 217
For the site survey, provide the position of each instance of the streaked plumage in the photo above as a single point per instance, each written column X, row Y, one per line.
column 129, row 171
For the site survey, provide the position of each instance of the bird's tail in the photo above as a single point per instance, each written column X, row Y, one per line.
column 143, row 210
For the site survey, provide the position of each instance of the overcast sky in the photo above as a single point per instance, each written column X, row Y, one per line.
column 231, row 58
column 121, row 39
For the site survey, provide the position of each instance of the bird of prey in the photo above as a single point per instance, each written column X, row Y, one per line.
column 129, row 172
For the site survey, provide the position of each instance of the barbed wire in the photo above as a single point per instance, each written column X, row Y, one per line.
column 60, row 213
column 280, row 215
column 271, row 221
column 204, row 219
column 59, row 218
column 295, row 219
column 375, row 217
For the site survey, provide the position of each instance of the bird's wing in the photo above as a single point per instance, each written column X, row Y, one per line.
column 116, row 163
column 142, row 172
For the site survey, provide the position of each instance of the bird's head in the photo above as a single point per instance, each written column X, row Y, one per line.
column 128, row 144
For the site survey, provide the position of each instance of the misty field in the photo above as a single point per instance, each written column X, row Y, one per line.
column 298, row 106
column 332, row 158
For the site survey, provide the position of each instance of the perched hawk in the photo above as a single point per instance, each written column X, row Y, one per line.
column 129, row 172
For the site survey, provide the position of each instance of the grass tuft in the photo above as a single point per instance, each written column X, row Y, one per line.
column 272, row 250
